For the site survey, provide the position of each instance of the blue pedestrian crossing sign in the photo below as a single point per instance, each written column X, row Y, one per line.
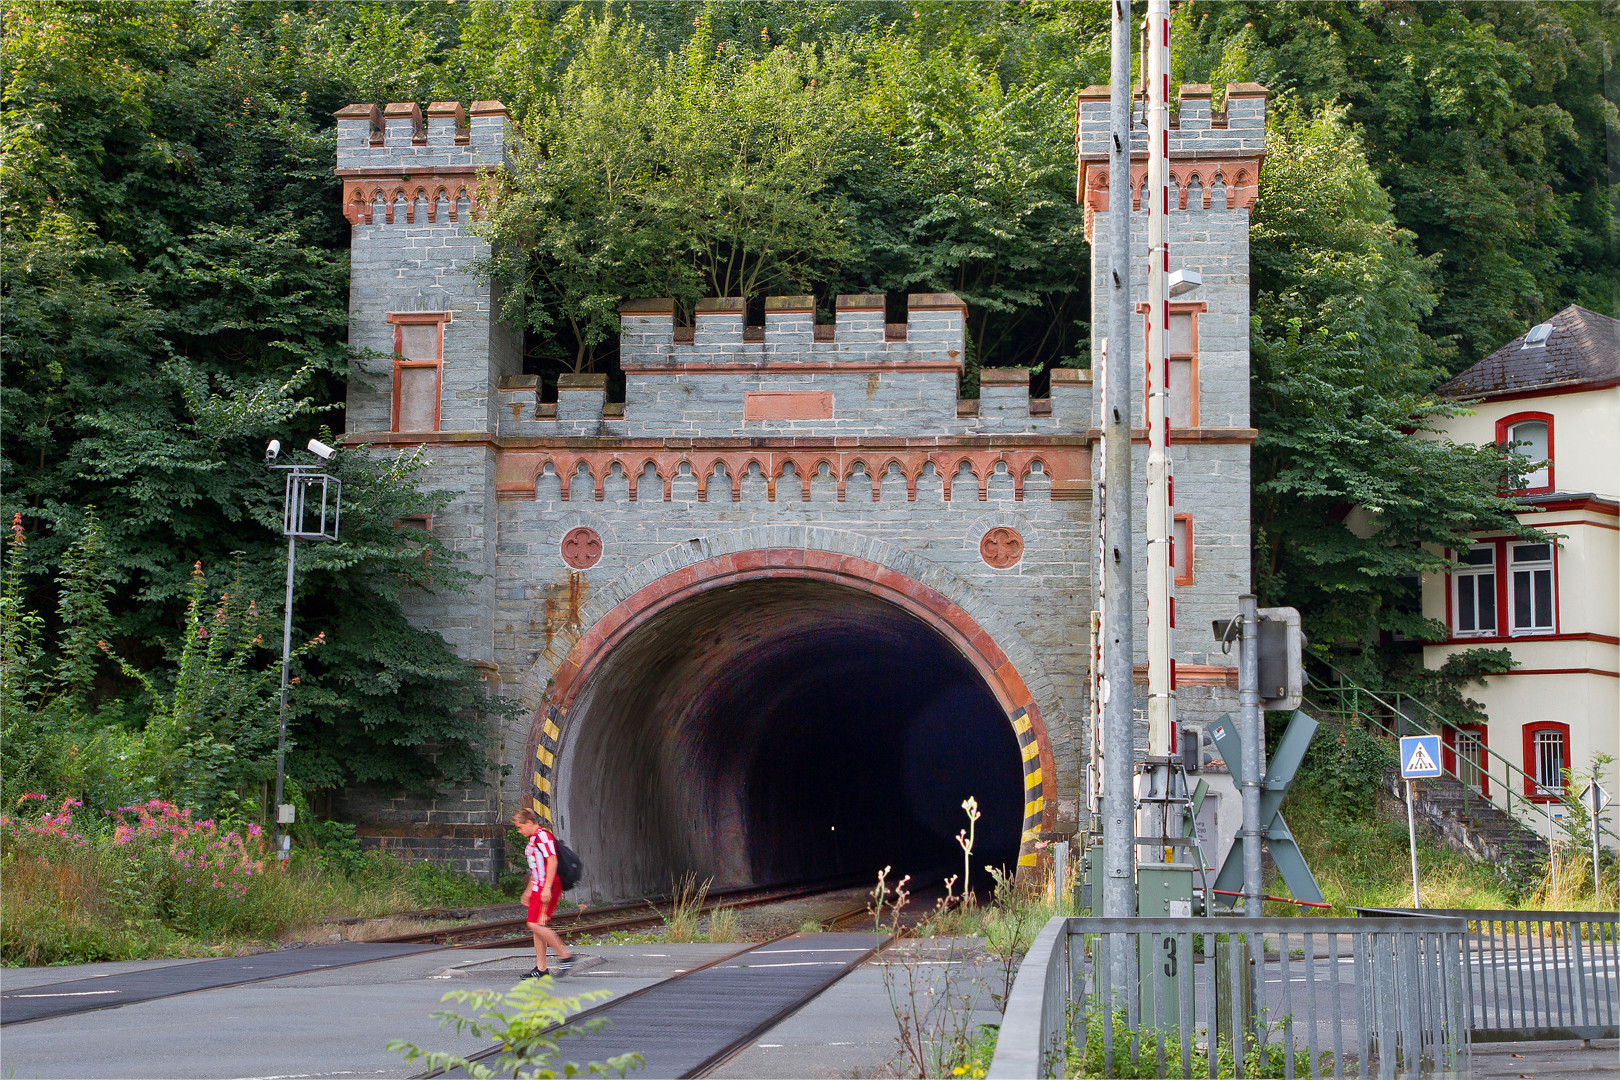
column 1420, row 756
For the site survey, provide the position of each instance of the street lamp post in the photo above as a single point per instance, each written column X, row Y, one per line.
column 309, row 511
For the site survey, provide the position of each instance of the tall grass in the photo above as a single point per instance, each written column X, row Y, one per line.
column 79, row 891
column 1360, row 857
column 686, row 908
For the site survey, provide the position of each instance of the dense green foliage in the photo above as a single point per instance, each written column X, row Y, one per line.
column 175, row 290
column 1489, row 124
column 175, row 275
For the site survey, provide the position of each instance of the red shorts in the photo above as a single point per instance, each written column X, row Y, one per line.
column 542, row 907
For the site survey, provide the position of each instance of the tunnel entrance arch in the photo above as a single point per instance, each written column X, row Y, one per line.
column 786, row 712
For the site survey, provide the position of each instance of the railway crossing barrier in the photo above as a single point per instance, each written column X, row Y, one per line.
column 1535, row 974
column 1367, row 997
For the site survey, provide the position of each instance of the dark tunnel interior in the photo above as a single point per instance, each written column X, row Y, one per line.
column 780, row 730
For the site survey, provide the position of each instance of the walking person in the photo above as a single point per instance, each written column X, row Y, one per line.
column 542, row 894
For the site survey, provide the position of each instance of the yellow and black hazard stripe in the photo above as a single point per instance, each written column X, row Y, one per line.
column 545, row 765
column 1034, row 786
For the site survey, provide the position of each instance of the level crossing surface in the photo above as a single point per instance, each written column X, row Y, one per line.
column 689, row 1024
column 127, row 988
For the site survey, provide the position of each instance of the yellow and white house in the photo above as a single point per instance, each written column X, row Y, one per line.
column 1555, row 390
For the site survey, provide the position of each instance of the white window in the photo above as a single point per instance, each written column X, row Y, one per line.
column 1474, row 605
column 1471, row 758
column 1532, row 434
column 1547, row 746
column 1531, row 579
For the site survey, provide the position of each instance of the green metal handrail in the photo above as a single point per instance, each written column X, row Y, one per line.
column 1348, row 688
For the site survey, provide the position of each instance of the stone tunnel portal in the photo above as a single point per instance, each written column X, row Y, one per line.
column 781, row 729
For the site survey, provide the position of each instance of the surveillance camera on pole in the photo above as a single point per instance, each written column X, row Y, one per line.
column 310, row 511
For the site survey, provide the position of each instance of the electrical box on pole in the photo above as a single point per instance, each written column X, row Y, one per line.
column 1282, row 659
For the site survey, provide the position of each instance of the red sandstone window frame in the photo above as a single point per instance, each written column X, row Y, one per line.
column 1504, row 434
column 1452, row 759
column 1193, row 310
column 1186, row 563
column 424, row 522
column 1533, row 789
column 399, row 320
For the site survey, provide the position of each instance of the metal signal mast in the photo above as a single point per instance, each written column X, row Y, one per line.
column 1156, row 791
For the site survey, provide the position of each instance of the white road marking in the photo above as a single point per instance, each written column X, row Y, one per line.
column 769, row 1046
column 795, row 963
column 76, row 993
column 775, row 952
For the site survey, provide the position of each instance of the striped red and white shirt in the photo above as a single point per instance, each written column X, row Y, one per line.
column 541, row 846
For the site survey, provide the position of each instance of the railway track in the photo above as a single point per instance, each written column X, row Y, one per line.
column 640, row 914
column 713, row 1056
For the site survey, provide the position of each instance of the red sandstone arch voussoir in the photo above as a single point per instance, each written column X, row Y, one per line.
column 920, row 600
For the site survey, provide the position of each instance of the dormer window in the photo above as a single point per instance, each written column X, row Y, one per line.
column 1538, row 335
column 1530, row 434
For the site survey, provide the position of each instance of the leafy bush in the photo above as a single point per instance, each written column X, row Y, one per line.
column 528, row 1039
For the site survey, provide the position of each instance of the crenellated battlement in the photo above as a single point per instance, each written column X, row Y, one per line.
column 933, row 333
column 400, row 167
column 1214, row 160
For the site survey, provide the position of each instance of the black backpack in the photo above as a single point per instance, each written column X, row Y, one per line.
column 569, row 868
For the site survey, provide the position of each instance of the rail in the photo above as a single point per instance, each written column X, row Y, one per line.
column 1369, row 997
column 610, row 917
column 1536, row 974
column 1477, row 780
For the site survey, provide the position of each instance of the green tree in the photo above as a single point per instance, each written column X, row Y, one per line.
column 705, row 172
column 965, row 183
column 1350, row 502
column 174, row 276
column 1489, row 124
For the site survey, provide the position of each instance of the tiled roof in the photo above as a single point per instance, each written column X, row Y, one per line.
column 1584, row 347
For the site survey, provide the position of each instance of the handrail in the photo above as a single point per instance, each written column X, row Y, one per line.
column 1347, row 684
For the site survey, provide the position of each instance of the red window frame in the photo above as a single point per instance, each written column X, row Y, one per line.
column 1504, row 598
column 1448, row 753
column 1502, row 436
column 1193, row 310
column 1532, row 789
column 424, row 522
column 1184, row 573
column 400, row 319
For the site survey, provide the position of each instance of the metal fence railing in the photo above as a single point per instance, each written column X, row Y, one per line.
column 1287, row 997
column 1536, row 974
column 1553, row 812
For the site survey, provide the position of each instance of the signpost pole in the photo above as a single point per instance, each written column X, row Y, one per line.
column 1420, row 757
column 1597, row 809
column 1411, row 839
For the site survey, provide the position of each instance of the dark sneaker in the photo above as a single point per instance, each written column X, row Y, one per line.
column 566, row 964
column 536, row 973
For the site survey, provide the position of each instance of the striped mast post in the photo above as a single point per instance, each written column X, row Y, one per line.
column 1163, row 816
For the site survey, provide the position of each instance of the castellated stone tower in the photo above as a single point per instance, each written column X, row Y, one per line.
column 777, row 613
column 1214, row 165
